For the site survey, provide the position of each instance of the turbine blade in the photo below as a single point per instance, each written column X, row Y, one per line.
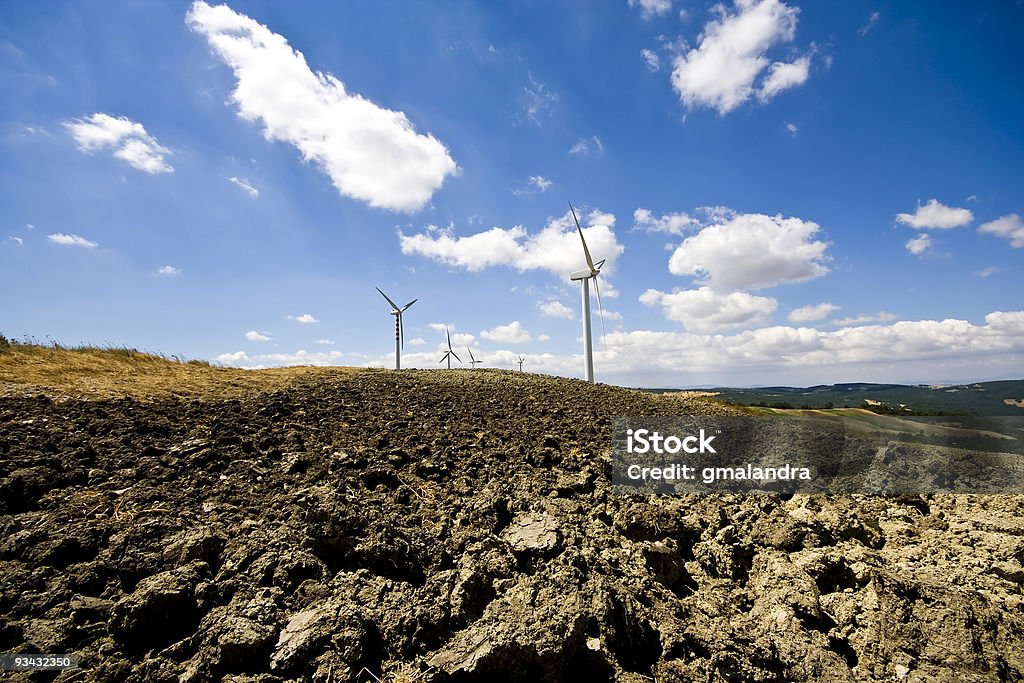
column 401, row 330
column 406, row 307
column 600, row 307
column 456, row 356
column 394, row 306
column 449, row 334
column 472, row 358
column 579, row 228
column 442, row 358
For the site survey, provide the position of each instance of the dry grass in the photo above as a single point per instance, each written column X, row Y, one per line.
column 96, row 373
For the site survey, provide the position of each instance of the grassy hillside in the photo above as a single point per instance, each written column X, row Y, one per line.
column 104, row 372
column 984, row 398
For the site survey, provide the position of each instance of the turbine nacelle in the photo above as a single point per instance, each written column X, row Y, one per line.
column 586, row 273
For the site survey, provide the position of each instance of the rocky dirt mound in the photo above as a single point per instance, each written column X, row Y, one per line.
column 459, row 526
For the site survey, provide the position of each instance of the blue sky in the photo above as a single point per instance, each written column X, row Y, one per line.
column 784, row 192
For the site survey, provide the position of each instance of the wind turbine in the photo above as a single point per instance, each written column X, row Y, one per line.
column 522, row 359
column 449, row 353
column 584, row 276
column 399, row 329
column 472, row 359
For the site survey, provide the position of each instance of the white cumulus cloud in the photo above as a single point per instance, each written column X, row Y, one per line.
column 652, row 8
column 304, row 318
column 812, row 312
column 556, row 248
column 752, row 251
column 1009, row 227
column 325, row 342
column 71, row 240
column 880, row 317
column 555, row 309
column 128, row 139
column 783, row 76
column 370, row 153
column 255, row 335
column 721, row 71
column 672, row 223
column 935, row 214
column 705, row 310
column 513, row 333
column 920, row 244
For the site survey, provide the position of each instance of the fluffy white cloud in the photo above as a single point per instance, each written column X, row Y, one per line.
column 913, row 349
column 705, row 310
column 752, row 251
column 71, row 240
column 935, row 214
column 244, row 184
column 168, row 270
column 585, row 147
column 792, row 129
column 304, row 318
column 17, row 240
column 783, row 76
column 812, row 312
column 371, row 153
column 416, row 341
column 652, row 8
column 920, row 244
column 672, row 223
column 513, row 333
column 130, row 141
column 880, row 317
column 543, row 338
column 722, row 70
column 555, row 309
column 301, row 357
column 613, row 315
column 1009, row 227
column 784, row 348
column 556, row 248
column 325, row 342
column 255, row 335
column 651, row 59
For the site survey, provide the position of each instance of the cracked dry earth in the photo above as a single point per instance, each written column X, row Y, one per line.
column 459, row 526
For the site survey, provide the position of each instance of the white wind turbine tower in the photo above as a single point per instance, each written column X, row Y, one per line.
column 449, row 353
column 584, row 276
column 399, row 329
column 522, row 359
column 472, row 359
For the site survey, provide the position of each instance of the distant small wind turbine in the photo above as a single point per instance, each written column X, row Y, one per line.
column 522, row 359
column 584, row 276
column 449, row 353
column 472, row 359
column 399, row 328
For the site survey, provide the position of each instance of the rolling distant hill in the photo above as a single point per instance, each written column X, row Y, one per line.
column 984, row 398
